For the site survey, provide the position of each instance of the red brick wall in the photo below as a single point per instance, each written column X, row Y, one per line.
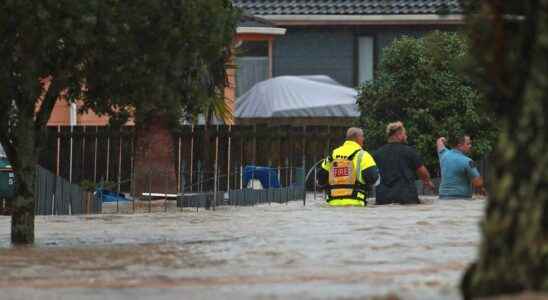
column 155, row 158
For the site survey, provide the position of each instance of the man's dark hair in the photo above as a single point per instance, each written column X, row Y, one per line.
column 460, row 139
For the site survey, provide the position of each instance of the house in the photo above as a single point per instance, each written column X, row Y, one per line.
column 342, row 39
column 254, row 39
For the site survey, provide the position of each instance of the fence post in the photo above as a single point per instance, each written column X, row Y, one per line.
column 289, row 186
column 71, row 150
column 280, row 176
column 117, row 204
column 315, row 181
column 149, row 192
column 95, row 155
column 165, row 191
column 101, row 186
column 215, row 168
column 179, row 163
column 192, row 159
column 241, row 177
column 244, row 190
column 269, row 186
column 132, row 184
column 253, row 195
column 119, row 161
column 88, row 202
column 287, row 179
column 291, row 169
column 235, row 174
column 304, row 147
column 182, row 184
column 108, row 154
column 236, row 168
column 199, row 175
column 228, row 158
column 254, row 153
column 58, row 167
column 83, row 154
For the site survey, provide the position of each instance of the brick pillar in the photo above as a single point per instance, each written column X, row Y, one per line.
column 155, row 155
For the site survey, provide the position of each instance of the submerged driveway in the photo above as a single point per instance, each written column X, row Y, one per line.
column 262, row 252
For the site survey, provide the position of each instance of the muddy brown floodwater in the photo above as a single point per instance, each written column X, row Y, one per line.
column 262, row 252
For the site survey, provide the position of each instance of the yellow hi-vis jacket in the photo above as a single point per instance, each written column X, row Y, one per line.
column 366, row 162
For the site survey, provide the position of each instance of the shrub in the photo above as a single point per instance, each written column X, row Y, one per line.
column 419, row 81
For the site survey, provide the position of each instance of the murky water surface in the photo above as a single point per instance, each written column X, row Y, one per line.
column 262, row 252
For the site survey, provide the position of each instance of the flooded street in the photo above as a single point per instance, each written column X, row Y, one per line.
column 262, row 252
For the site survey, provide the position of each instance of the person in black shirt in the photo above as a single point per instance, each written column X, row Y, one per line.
column 399, row 165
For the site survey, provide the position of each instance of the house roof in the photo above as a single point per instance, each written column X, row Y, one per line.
column 347, row 7
column 255, row 25
column 247, row 20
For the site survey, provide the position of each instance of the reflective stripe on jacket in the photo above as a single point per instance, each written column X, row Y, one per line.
column 366, row 162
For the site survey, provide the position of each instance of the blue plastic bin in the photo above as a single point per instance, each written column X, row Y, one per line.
column 109, row 196
column 266, row 175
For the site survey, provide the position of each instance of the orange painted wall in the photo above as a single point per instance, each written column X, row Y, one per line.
column 90, row 118
column 61, row 116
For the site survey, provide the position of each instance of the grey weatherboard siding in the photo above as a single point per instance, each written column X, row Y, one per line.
column 332, row 50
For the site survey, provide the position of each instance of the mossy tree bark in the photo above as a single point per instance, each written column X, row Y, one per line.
column 511, row 44
column 22, row 218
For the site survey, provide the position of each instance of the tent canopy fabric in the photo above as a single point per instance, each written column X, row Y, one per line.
column 298, row 96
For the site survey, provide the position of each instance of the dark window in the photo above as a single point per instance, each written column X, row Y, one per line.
column 253, row 48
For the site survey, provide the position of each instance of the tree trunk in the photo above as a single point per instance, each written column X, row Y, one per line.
column 22, row 219
column 514, row 251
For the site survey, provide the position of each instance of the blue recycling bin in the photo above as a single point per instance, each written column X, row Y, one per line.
column 109, row 196
column 266, row 175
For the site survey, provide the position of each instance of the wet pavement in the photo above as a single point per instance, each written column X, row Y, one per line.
column 273, row 251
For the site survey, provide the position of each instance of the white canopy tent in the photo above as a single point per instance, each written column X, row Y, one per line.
column 298, row 96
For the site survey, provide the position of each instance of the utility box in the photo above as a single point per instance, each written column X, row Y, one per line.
column 7, row 180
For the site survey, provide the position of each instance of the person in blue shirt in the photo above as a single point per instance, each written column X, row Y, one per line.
column 458, row 171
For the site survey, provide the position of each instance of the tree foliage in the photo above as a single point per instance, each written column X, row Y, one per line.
column 116, row 57
column 175, row 51
column 419, row 81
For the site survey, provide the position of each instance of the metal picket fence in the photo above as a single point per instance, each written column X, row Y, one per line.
column 293, row 189
column 245, row 197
